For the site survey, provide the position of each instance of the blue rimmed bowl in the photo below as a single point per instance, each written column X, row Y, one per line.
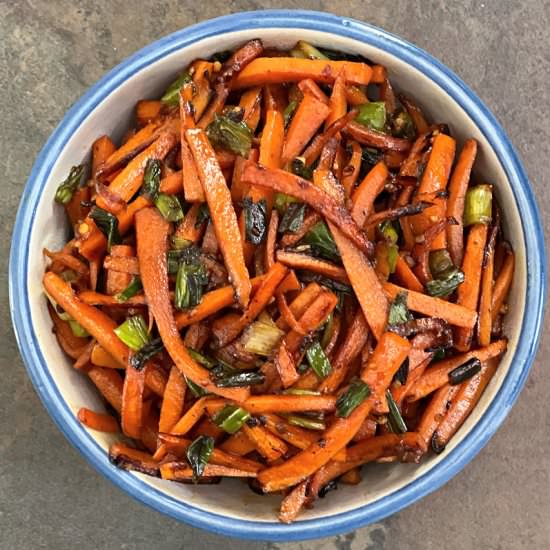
column 231, row 508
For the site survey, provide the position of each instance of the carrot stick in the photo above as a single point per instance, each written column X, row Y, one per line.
column 306, row 191
column 386, row 359
column 352, row 169
column 302, row 302
column 188, row 229
column 172, row 401
column 97, row 421
column 266, row 443
column 181, row 471
column 434, row 180
column 222, row 212
column 405, row 275
column 122, row 264
column 435, row 411
column 225, row 334
column 458, row 186
column 271, row 241
column 152, row 241
column 240, row 190
column 67, row 260
column 290, row 283
column 129, row 458
column 296, row 436
column 364, row 196
column 260, row 404
column 251, row 102
column 101, row 358
column 272, row 70
column 298, row 260
column 374, row 138
column 355, row 96
column 309, row 116
column 485, row 322
column 102, row 149
column 190, row 418
column 384, row 445
column 147, row 110
column 74, row 208
column 364, row 281
column 290, row 239
column 438, row 374
column 468, row 291
column 132, row 402
column 110, row 384
column 308, row 86
column 454, row 314
column 502, row 284
column 285, row 366
column 293, row 502
column 117, row 281
column 466, row 399
column 354, row 341
column 338, row 103
column 237, row 444
column 287, row 314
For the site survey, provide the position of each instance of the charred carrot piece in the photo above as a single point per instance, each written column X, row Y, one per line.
column 309, row 86
column 118, row 281
column 251, row 102
column 485, row 322
column 351, row 170
column 266, row 443
column 435, row 411
column 405, row 275
column 293, row 502
column 298, row 260
column 102, row 149
column 338, row 103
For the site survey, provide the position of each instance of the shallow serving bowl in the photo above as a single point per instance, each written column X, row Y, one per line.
column 107, row 108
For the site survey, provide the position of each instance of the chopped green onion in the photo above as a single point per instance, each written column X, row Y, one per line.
column 172, row 94
column 179, row 243
column 202, row 215
column 148, row 351
column 299, row 54
column 352, row 398
column 403, row 125
column 305, row 422
column 131, row 290
column 293, row 218
column 78, row 330
column 465, row 371
column 439, row 354
column 201, row 359
column 298, row 167
column 169, row 206
column 392, row 251
column 151, row 179
column 225, row 377
column 444, row 287
column 402, row 373
column 282, row 202
column 255, row 220
column 198, row 454
column 107, row 224
column 399, row 312
column 441, row 264
column 396, row 422
column 195, row 389
column 262, row 336
column 235, row 136
column 478, row 205
column 309, row 51
column 231, row 418
column 318, row 360
column 388, row 231
column 190, row 282
column 302, row 368
column 69, row 276
column 299, row 391
column 327, row 331
column 373, row 115
column 289, row 111
column 322, row 243
column 68, row 187
column 133, row 332
column 189, row 255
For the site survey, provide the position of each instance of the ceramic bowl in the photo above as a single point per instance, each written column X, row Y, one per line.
column 107, row 108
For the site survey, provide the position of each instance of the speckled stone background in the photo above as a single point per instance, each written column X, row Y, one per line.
column 50, row 53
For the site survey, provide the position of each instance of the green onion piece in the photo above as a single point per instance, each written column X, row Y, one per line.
column 221, row 57
column 179, row 243
column 441, row 264
column 443, row 287
column 439, row 354
column 393, row 252
column 403, row 125
column 202, row 215
column 289, row 111
column 293, row 218
column 373, row 115
column 322, row 243
column 195, row 389
column 131, row 290
column 262, row 336
column 231, row 418
column 172, row 94
column 228, row 134
column 352, row 398
column 201, row 359
column 478, row 205
column 299, row 54
column 302, row 368
column 402, row 373
column 133, row 332
column 318, row 360
column 298, row 167
column 169, row 206
column 305, row 422
column 190, row 282
column 77, row 329
column 198, row 454
column 107, row 224
column 331, row 284
column 299, row 391
column 69, row 275
column 225, row 377
column 282, row 202
column 255, row 220
column 189, row 255
column 327, row 331
column 311, row 52
column 388, row 231
column 399, row 312
column 67, row 188
column 396, row 422
column 151, row 179
column 148, row 351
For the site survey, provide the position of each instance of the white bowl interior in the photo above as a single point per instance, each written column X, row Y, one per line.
column 113, row 116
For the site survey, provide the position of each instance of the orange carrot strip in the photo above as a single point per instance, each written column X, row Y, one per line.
column 74, row 208
column 306, row 191
column 122, row 264
column 454, row 314
column 415, row 113
column 131, row 459
column 458, row 186
column 287, row 315
column 172, row 401
column 147, row 110
column 251, row 101
column 502, row 284
column 405, row 275
column 190, row 418
column 351, row 170
column 259, row 404
column 222, row 212
column 298, row 260
column 355, row 96
column 102, row 149
column 271, row 241
column 296, row 436
column 97, row 421
column 237, row 444
column 338, row 103
column 272, row 70
column 485, row 322
column 290, row 239
column 293, row 502
column 290, row 283
column 384, row 445
column 181, row 471
column 285, row 366
column 438, row 374
column 132, row 402
column 468, row 291
column 69, row 261
column 302, row 302
column 188, row 229
column 435, row 411
column 374, row 138
column 364, row 196
column 97, row 299
column 309, row 86
column 117, row 281
column 266, row 443
column 110, row 384
column 101, row 358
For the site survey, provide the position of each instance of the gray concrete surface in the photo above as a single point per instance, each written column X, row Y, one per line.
column 50, row 52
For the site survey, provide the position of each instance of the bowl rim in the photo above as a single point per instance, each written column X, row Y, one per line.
column 459, row 456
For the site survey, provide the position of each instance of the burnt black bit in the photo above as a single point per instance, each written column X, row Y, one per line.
column 262, row 420
column 436, row 446
column 254, row 486
column 211, row 480
column 252, row 422
column 322, row 442
column 87, row 204
column 330, row 486
column 444, row 194
column 281, row 428
column 126, row 463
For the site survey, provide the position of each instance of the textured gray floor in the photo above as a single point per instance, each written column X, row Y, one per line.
column 50, row 52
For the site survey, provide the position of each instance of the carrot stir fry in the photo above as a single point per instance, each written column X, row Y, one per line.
column 285, row 272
